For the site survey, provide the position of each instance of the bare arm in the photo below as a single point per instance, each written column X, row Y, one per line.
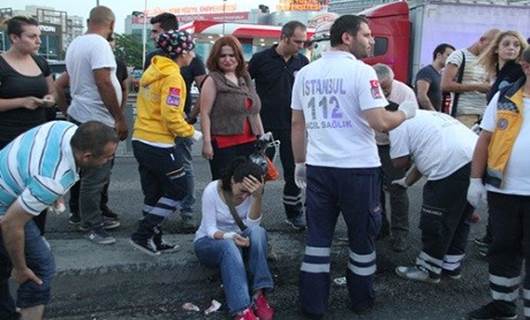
column 257, row 124
column 382, row 120
column 422, row 87
column 450, row 85
column 124, row 92
column 103, row 81
column 401, row 162
column 31, row 103
column 60, row 85
column 298, row 133
column 413, row 176
column 12, row 227
column 206, row 101
column 480, row 155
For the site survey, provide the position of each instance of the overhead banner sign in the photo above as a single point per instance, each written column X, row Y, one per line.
column 302, row 5
column 178, row 11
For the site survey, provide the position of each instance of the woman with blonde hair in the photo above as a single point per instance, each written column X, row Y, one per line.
column 230, row 106
column 501, row 60
column 502, row 63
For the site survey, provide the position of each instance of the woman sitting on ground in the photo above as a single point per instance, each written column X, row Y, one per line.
column 230, row 233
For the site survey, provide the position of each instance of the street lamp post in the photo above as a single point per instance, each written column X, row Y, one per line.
column 144, row 34
column 224, row 19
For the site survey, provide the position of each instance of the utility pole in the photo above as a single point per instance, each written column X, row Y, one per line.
column 144, row 33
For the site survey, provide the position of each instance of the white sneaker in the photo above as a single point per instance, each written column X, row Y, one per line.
column 416, row 273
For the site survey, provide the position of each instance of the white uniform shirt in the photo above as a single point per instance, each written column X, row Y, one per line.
column 400, row 93
column 516, row 178
column 332, row 92
column 216, row 215
column 84, row 55
column 438, row 143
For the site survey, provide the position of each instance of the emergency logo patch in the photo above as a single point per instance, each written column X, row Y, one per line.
column 502, row 124
column 375, row 90
column 173, row 97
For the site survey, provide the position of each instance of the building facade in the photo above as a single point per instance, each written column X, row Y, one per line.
column 58, row 28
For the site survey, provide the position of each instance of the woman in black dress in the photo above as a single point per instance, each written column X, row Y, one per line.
column 26, row 85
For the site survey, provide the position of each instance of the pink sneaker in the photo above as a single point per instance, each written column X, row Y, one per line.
column 262, row 309
column 246, row 314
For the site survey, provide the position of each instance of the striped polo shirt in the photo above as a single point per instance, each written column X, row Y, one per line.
column 38, row 167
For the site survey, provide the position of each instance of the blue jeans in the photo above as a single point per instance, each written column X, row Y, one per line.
column 183, row 147
column 40, row 260
column 229, row 258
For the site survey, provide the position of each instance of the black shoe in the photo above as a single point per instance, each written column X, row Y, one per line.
column 490, row 312
column 483, row 242
column 453, row 274
column 297, row 222
column 107, row 213
column 145, row 246
column 187, row 225
column 74, row 219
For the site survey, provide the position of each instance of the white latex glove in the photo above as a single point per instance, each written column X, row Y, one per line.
column 300, row 175
column 267, row 136
column 401, row 182
column 229, row 235
column 476, row 193
column 197, row 136
column 408, row 108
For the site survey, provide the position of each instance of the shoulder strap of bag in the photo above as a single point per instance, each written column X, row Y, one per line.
column 460, row 77
column 233, row 212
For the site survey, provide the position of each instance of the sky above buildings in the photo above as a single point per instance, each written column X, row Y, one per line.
column 122, row 8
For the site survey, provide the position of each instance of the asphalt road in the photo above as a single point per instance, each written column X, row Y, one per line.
column 156, row 289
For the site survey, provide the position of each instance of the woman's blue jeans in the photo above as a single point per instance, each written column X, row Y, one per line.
column 230, row 259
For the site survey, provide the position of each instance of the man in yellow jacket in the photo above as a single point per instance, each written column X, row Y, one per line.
column 501, row 158
column 160, row 119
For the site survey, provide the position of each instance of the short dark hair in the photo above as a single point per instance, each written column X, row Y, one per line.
column 441, row 49
column 93, row 136
column 168, row 21
column 289, row 28
column 347, row 23
column 15, row 24
column 238, row 169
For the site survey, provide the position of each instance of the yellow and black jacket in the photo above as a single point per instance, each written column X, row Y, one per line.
column 160, row 105
column 509, row 121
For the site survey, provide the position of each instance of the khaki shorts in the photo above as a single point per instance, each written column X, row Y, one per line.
column 468, row 119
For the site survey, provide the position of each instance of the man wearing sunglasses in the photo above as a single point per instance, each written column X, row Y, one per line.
column 274, row 70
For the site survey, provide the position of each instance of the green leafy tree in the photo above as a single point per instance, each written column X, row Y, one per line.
column 129, row 49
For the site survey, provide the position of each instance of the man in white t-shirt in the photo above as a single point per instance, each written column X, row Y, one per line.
column 96, row 95
column 501, row 157
column 396, row 92
column 442, row 148
column 337, row 100
column 469, row 94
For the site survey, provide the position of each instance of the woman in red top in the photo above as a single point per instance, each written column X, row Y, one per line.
column 230, row 106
